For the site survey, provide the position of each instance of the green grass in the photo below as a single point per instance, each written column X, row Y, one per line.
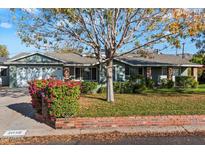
column 141, row 104
column 200, row 89
column 163, row 102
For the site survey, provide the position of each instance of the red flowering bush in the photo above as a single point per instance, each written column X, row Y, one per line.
column 61, row 98
column 36, row 87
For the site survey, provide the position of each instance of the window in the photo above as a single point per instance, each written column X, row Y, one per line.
column 86, row 74
column 164, row 70
column 133, row 71
column 94, row 74
column 127, row 70
column 3, row 72
column 176, row 72
column 72, row 73
column 140, row 71
column 77, row 73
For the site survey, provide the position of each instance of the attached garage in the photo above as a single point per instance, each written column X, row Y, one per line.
column 25, row 67
column 31, row 67
column 25, row 74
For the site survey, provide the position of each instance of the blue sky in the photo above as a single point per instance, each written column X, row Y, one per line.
column 9, row 37
column 8, row 34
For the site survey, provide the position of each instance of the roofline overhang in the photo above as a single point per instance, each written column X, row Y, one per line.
column 17, row 63
column 80, row 64
column 21, row 57
column 1, row 66
column 192, row 65
column 162, row 64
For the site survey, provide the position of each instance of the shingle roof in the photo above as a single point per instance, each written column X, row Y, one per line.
column 67, row 58
column 153, row 58
column 134, row 58
column 72, row 58
column 20, row 55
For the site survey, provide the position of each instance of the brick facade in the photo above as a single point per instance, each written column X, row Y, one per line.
column 149, row 72
column 106, row 122
column 66, row 73
column 194, row 73
column 169, row 73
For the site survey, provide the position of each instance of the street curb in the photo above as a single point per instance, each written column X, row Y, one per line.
column 141, row 130
column 99, row 136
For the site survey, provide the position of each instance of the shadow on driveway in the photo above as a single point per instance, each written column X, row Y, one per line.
column 13, row 92
column 25, row 109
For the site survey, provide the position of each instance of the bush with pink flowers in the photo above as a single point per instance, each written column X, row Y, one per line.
column 36, row 87
column 61, row 98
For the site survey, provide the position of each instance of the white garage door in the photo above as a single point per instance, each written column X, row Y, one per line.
column 25, row 74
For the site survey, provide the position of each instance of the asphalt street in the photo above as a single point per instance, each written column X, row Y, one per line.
column 173, row 140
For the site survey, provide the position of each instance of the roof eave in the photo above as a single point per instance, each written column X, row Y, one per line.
column 192, row 65
column 80, row 64
column 21, row 57
column 162, row 64
column 17, row 63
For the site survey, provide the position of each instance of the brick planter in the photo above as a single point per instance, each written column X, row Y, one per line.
column 106, row 122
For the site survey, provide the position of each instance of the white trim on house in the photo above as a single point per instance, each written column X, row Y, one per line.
column 3, row 67
column 36, row 53
column 79, row 65
column 191, row 65
column 24, row 63
column 160, row 65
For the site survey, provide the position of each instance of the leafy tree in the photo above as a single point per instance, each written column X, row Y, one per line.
column 108, row 30
column 199, row 58
column 199, row 40
column 3, row 51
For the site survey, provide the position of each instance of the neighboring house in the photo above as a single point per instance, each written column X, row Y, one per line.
column 4, row 80
column 25, row 67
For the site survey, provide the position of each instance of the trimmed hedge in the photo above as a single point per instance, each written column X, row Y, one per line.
column 135, row 84
column 35, row 89
column 88, row 87
column 165, row 83
column 61, row 98
column 150, row 83
column 186, row 82
column 170, row 84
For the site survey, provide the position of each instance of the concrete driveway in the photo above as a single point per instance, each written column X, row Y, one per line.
column 16, row 111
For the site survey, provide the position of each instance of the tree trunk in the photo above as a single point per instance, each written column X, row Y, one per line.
column 110, row 93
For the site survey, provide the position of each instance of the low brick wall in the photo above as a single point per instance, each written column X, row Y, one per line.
column 103, row 122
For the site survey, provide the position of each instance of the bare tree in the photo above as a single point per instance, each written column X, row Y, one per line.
column 112, row 31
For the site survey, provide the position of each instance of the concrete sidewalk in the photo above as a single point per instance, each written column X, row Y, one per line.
column 141, row 130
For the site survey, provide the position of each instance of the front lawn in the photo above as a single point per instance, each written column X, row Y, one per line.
column 142, row 104
column 200, row 89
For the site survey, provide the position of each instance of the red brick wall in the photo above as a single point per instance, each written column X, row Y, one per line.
column 103, row 122
column 149, row 73
column 169, row 73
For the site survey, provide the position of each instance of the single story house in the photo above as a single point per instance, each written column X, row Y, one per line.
column 29, row 66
